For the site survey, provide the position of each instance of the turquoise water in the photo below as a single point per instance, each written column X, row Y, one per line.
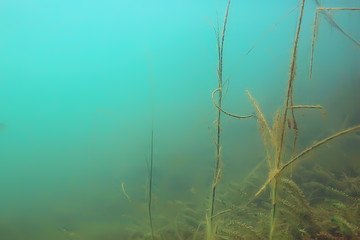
column 76, row 107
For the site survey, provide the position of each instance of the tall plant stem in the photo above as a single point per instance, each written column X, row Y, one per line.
column 288, row 102
column 151, row 150
column 220, row 43
column 289, row 95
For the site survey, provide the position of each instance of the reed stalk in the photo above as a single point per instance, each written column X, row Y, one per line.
column 151, row 150
column 220, row 48
column 288, row 102
column 218, row 104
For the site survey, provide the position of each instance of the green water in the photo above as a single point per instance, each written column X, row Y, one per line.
column 76, row 119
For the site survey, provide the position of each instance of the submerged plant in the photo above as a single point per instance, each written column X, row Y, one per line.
column 330, row 19
column 220, row 47
column 274, row 138
column 151, row 153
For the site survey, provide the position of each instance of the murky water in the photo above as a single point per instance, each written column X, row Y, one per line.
column 82, row 81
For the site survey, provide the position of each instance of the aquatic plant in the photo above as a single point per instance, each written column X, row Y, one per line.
column 220, row 37
column 291, row 215
column 330, row 19
column 151, row 152
column 274, row 140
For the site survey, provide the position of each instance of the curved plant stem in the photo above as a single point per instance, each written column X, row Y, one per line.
column 227, row 113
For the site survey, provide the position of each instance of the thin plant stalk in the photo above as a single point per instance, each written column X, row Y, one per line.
column 151, row 151
column 288, row 102
column 333, row 23
column 331, row 20
column 315, row 29
column 218, row 105
column 220, row 43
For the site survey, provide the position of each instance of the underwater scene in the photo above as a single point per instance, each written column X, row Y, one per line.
column 179, row 120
